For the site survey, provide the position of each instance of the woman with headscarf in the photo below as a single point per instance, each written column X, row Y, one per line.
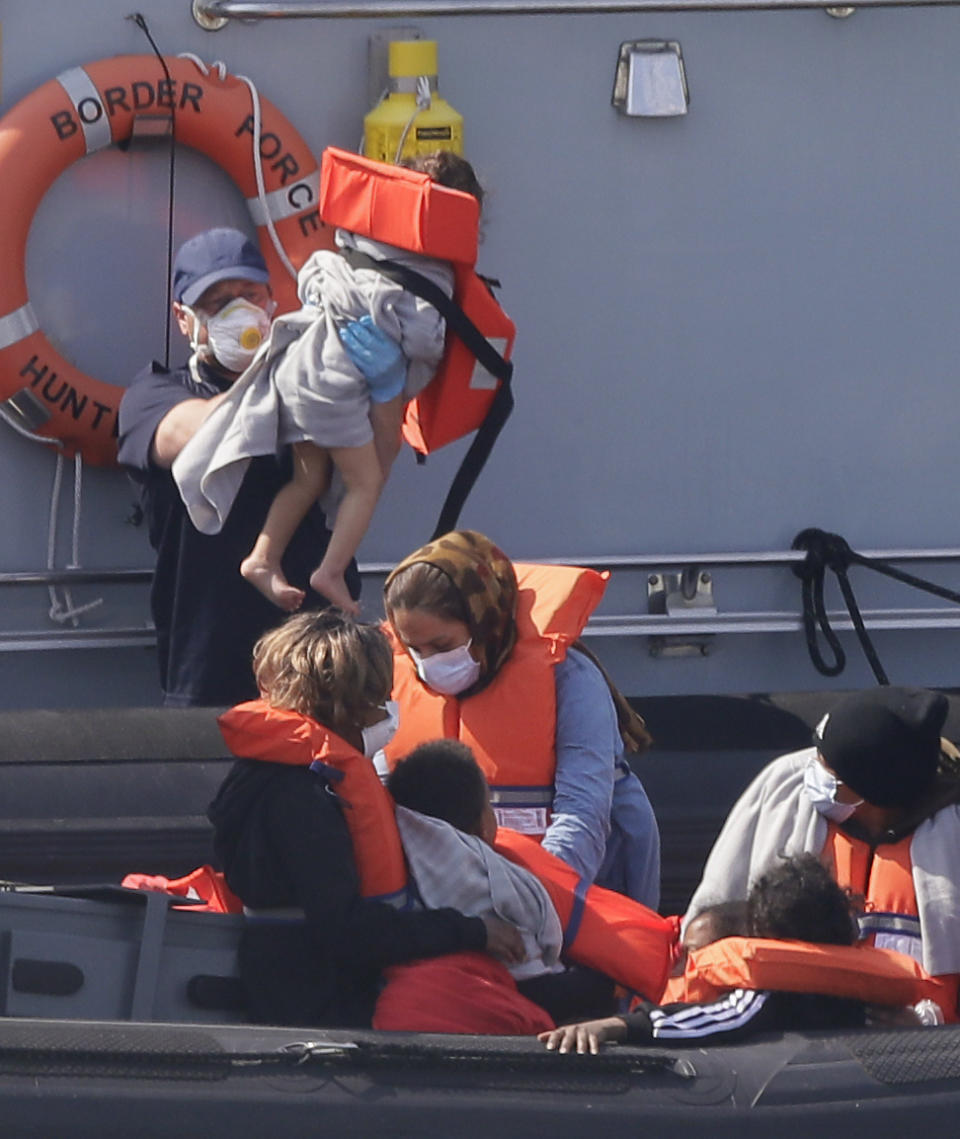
column 487, row 652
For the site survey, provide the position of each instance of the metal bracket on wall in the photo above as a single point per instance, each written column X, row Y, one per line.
column 378, row 51
column 209, row 21
column 650, row 80
column 681, row 594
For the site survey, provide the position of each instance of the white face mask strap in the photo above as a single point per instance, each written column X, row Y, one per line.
column 198, row 323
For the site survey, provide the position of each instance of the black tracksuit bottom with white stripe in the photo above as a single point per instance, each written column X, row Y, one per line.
column 740, row 1014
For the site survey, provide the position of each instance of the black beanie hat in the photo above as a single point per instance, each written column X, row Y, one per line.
column 885, row 743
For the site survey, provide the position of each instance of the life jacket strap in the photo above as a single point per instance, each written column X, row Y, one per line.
column 514, row 796
column 479, row 451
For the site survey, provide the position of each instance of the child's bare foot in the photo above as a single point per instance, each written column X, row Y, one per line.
column 272, row 584
column 334, row 588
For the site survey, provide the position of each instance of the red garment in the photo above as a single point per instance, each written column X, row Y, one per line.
column 459, row 993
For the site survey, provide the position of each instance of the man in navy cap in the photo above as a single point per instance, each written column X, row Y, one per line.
column 877, row 799
column 207, row 617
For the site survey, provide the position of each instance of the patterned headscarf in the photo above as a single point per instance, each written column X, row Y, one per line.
column 483, row 577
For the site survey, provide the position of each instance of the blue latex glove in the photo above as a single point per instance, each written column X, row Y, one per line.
column 377, row 356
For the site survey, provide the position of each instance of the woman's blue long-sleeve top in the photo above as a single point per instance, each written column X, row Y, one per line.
column 603, row 824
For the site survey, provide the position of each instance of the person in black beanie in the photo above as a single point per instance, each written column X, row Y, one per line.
column 885, row 744
column 877, row 799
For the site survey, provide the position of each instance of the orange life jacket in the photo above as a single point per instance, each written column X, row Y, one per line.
column 408, row 209
column 883, row 877
column 511, row 724
column 602, row 929
column 204, row 882
column 256, row 730
column 606, row 931
column 878, row 976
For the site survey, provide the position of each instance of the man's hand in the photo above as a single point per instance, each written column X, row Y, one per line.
column 504, row 940
column 377, row 356
column 584, row 1037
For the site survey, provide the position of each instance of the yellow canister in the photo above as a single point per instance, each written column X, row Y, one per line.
column 412, row 118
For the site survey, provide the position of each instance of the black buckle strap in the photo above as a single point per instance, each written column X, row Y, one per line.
column 488, row 357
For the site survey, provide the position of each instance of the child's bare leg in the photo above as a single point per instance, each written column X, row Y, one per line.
column 261, row 567
column 386, row 420
column 363, row 480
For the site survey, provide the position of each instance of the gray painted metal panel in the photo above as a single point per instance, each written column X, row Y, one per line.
column 732, row 325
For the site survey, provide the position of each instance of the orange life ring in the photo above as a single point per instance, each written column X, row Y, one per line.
column 84, row 110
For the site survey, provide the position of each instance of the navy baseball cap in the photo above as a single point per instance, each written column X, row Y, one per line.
column 215, row 255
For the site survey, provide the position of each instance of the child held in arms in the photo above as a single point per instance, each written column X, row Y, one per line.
column 305, row 388
column 447, row 827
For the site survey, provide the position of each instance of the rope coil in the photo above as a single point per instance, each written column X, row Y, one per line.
column 826, row 551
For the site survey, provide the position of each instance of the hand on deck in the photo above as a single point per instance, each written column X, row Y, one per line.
column 584, row 1037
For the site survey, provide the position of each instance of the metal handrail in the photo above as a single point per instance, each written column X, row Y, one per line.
column 78, row 577
column 754, row 559
column 691, row 624
column 622, row 625
column 214, row 14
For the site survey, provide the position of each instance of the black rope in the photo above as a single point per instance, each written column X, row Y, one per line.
column 811, row 574
column 831, row 551
column 141, row 23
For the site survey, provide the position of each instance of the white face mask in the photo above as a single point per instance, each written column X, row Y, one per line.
column 235, row 333
column 448, row 673
column 378, row 735
column 821, row 788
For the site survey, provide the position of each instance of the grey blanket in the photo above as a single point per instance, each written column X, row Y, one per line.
column 302, row 385
column 455, row 869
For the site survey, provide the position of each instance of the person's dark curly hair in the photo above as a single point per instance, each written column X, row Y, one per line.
column 799, row 900
column 447, row 169
column 441, row 778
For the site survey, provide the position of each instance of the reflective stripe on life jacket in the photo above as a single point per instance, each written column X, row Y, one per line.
column 255, row 730
column 883, row 877
column 862, row 972
column 408, row 209
column 603, row 930
column 511, row 724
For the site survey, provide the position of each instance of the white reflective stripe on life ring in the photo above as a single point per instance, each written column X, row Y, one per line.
column 287, row 201
column 18, row 325
column 89, row 107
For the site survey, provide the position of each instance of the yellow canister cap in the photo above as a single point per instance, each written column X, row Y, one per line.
column 413, row 57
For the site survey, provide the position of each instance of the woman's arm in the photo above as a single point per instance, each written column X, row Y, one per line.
column 587, row 745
